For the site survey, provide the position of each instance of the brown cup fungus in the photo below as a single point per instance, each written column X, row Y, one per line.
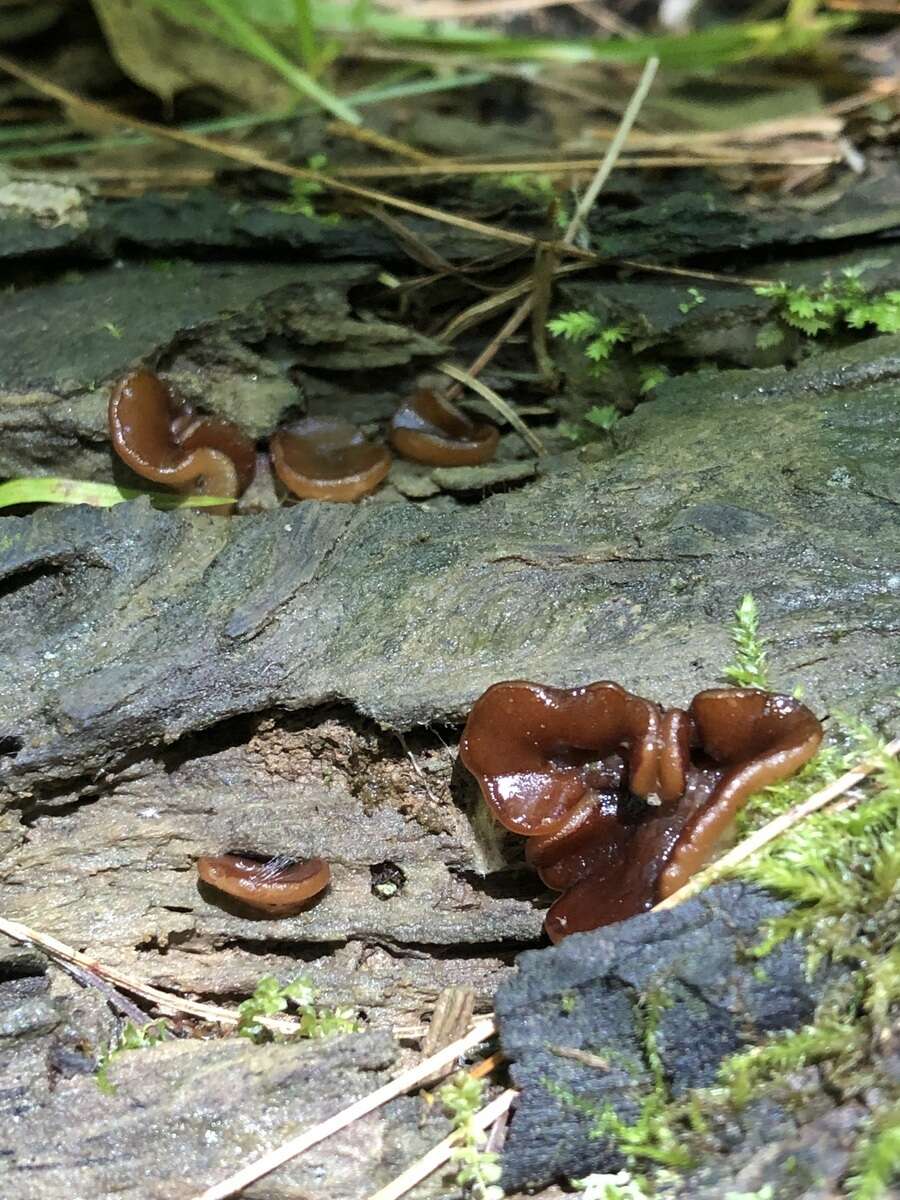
column 431, row 430
column 278, row 887
column 621, row 800
column 167, row 442
column 321, row 458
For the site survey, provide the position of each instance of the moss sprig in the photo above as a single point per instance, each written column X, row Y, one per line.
column 479, row 1169
column 836, row 303
column 748, row 668
column 270, row 997
column 131, row 1037
column 581, row 326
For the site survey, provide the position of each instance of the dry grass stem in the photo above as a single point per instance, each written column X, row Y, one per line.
column 404, row 1082
column 774, row 829
column 441, row 10
column 441, row 1153
column 521, row 313
column 580, row 1056
column 488, row 1065
column 589, row 199
column 583, row 166
column 497, row 402
column 379, row 141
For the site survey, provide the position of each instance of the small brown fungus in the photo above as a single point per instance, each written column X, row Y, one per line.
column 166, row 441
column 276, row 886
column 429, row 429
column 323, row 458
column 621, row 800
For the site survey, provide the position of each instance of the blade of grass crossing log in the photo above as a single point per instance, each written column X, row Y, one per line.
column 52, row 490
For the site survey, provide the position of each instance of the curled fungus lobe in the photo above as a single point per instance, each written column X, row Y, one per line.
column 164, row 440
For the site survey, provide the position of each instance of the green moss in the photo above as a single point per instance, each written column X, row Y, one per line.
column 479, row 1169
column 653, row 1135
column 748, row 667
column 695, row 298
column 305, row 192
column 841, row 869
column 132, row 1037
column 877, row 1162
column 837, row 303
column 270, row 998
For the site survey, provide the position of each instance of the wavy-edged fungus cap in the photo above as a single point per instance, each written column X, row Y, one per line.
column 621, row 801
column 754, row 739
column 323, row 458
column 277, row 886
column 431, row 430
column 167, row 442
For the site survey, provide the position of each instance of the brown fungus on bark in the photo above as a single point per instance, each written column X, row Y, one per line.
column 323, row 458
column 278, row 887
column 429, row 429
column 166, row 441
column 621, row 800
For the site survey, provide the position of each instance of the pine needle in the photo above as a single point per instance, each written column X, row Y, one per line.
column 442, row 1152
column 353, row 1112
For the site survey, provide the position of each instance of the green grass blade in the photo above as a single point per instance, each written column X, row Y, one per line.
column 306, row 34
column 52, row 490
column 373, row 95
column 725, row 43
column 255, row 43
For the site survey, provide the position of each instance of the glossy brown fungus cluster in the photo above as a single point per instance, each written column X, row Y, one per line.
column 318, row 458
column 277, row 887
column 163, row 439
column 622, row 800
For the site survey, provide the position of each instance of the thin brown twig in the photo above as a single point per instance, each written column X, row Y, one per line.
column 487, row 1065
column 442, row 1152
column 581, row 1056
column 167, row 1002
column 380, row 141
column 482, row 310
column 403, row 1083
column 689, row 273
column 772, row 830
column 583, row 166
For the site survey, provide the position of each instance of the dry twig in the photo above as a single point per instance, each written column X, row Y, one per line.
column 584, row 166
column 251, row 158
column 166, row 1002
